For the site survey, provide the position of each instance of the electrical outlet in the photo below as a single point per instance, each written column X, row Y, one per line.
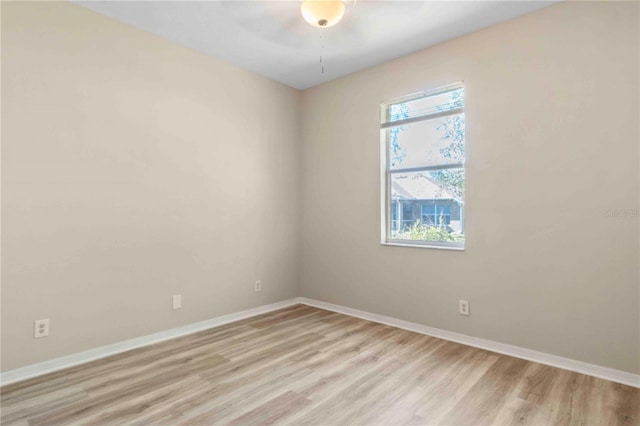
column 258, row 285
column 464, row 307
column 41, row 328
column 177, row 301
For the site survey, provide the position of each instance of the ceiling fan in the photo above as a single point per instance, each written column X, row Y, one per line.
column 323, row 13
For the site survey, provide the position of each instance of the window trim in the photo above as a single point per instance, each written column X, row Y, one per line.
column 386, row 172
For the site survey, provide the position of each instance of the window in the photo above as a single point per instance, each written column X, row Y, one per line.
column 434, row 214
column 423, row 155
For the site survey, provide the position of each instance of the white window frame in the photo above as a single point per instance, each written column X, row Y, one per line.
column 386, row 171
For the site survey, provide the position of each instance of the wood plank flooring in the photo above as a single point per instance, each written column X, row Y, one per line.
column 303, row 366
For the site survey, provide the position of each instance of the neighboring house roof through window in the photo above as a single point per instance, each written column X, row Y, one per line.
column 420, row 187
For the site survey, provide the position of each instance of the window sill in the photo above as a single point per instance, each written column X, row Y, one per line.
column 423, row 246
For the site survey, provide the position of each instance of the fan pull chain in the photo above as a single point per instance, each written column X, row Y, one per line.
column 321, row 52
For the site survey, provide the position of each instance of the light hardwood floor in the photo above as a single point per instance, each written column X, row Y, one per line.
column 303, row 365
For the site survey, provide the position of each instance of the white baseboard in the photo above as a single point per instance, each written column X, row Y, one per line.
column 67, row 361
column 606, row 373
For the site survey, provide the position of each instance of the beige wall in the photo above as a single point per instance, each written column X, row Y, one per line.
column 134, row 169
column 553, row 136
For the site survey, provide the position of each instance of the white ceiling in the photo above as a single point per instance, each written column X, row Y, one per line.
column 272, row 39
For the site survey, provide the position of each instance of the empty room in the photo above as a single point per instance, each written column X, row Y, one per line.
column 320, row 212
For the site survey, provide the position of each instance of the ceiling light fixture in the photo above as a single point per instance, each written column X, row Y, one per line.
column 322, row 13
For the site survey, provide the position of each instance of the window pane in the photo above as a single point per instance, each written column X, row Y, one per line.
column 430, row 205
column 427, row 143
column 394, row 216
column 436, row 213
column 425, row 105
